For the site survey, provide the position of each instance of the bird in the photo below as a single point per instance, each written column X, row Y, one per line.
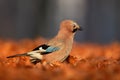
column 56, row 49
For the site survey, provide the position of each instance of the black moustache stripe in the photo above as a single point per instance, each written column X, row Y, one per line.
column 74, row 30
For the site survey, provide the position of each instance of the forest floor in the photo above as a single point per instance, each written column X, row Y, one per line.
column 87, row 61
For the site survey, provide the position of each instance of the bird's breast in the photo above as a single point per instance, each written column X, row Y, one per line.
column 61, row 54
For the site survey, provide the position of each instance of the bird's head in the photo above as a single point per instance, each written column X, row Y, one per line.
column 70, row 26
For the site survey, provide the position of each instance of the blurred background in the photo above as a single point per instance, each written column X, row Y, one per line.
column 21, row 19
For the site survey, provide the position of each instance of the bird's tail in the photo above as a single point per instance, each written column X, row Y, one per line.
column 18, row 55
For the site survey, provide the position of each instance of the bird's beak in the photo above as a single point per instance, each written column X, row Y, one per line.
column 80, row 29
column 77, row 28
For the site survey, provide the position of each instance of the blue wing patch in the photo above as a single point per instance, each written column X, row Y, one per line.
column 52, row 49
column 46, row 48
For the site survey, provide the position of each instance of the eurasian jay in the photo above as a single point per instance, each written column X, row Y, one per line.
column 58, row 48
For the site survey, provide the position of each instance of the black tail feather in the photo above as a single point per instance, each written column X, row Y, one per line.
column 17, row 55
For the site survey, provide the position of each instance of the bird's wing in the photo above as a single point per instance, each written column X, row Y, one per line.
column 52, row 49
column 44, row 48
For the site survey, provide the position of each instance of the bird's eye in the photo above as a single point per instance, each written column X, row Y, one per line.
column 74, row 25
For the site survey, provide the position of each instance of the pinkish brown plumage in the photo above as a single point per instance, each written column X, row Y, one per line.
column 58, row 48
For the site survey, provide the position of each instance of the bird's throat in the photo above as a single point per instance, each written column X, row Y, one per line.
column 65, row 35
